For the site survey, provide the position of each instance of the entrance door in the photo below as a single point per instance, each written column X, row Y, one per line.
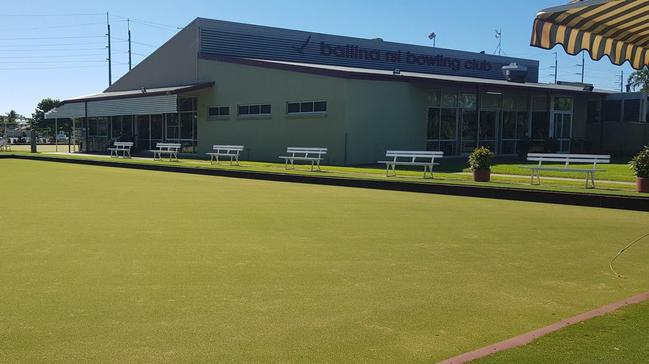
column 562, row 130
column 487, row 129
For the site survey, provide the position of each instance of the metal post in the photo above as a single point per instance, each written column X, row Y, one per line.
column 128, row 25
column 556, row 70
column 621, row 81
column 56, row 134
column 582, row 66
column 110, row 76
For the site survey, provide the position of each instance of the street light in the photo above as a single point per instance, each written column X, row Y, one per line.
column 432, row 37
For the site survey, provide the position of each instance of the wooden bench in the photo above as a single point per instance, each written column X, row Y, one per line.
column 170, row 149
column 410, row 158
column 226, row 151
column 566, row 159
column 313, row 155
column 121, row 147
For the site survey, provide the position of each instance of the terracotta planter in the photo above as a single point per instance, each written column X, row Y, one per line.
column 482, row 175
column 642, row 184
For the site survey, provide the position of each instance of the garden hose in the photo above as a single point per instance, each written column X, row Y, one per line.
column 610, row 264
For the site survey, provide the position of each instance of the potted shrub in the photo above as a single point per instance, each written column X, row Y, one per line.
column 640, row 165
column 480, row 163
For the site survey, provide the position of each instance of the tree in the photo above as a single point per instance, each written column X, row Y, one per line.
column 38, row 117
column 639, row 80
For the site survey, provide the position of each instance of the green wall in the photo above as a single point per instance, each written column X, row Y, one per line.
column 266, row 138
column 364, row 118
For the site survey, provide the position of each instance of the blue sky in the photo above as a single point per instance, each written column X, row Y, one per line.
column 56, row 49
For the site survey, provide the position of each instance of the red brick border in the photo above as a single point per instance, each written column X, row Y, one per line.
column 528, row 337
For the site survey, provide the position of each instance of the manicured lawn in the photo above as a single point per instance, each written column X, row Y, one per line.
column 619, row 337
column 117, row 265
column 370, row 172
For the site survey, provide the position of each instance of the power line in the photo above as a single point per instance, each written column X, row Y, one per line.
column 50, row 15
column 49, row 44
column 67, row 61
column 65, row 37
column 47, row 68
column 52, row 27
column 53, row 50
column 149, row 23
column 54, row 56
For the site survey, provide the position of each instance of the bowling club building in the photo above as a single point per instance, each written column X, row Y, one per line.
column 219, row 82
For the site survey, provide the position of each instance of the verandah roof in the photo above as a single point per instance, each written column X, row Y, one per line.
column 130, row 102
column 618, row 29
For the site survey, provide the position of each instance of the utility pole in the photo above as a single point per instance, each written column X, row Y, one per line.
column 556, row 70
column 582, row 67
column 621, row 80
column 110, row 75
column 128, row 25
column 583, row 64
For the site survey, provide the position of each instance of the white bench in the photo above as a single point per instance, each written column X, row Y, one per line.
column 170, row 149
column 410, row 158
column 226, row 151
column 5, row 145
column 121, row 147
column 313, row 155
column 566, row 159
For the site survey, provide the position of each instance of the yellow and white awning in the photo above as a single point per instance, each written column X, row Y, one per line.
column 618, row 29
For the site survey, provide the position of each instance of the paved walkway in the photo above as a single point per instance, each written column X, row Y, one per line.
column 554, row 178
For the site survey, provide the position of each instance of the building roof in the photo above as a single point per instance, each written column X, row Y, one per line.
column 404, row 76
column 143, row 92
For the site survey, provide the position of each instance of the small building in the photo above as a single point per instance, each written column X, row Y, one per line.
column 219, row 82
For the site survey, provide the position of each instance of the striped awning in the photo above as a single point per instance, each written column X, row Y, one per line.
column 618, row 29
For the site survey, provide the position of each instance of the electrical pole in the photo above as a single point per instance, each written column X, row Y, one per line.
column 110, row 75
column 128, row 25
column 556, row 71
column 583, row 63
column 582, row 67
column 621, row 81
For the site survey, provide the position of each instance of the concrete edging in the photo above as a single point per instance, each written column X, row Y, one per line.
column 516, row 194
column 528, row 337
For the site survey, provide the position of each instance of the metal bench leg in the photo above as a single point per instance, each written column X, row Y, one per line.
column 590, row 176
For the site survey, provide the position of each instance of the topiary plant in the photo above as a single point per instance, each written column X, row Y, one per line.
column 480, row 158
column 640, row 163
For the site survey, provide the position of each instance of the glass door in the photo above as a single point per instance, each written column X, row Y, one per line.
column 487, row 129
column 562, row 131
column 561, row 127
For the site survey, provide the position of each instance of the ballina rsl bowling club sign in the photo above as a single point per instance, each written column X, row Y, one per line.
column 350, row 51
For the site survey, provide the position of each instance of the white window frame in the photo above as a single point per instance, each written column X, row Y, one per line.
column 307, row 112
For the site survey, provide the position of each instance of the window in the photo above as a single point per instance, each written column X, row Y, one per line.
column 612, row 110
column 562, row 103
column 187, row 104
column 540, row 125
column 254, row 109
column 632, row 110
column 593, row 111
column 306, row 107
column 218, row 111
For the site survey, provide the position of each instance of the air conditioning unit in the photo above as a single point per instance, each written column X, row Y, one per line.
column 514, row 72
